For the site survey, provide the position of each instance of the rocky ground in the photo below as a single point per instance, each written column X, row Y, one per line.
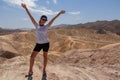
column 78, row 56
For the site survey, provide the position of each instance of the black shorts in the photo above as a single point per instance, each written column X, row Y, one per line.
column 44, row 46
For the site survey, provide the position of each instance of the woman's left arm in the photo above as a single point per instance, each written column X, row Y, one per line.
column 53, row 19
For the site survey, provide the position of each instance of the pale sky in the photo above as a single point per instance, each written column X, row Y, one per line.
column 12, row 15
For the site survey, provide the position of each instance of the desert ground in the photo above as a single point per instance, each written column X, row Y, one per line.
column 75, row 54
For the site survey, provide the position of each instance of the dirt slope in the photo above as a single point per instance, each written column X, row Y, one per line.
column 61, row 40
column 99, row 64
column 75, row 54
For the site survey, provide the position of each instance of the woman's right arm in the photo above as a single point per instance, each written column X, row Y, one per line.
column 31, row 17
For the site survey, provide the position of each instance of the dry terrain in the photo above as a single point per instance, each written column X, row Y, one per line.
column 75, row 54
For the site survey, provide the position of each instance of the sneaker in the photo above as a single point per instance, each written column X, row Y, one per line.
column 29, row 76
column 44, row 76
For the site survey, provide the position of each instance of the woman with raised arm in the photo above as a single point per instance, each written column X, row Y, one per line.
column 42, row 41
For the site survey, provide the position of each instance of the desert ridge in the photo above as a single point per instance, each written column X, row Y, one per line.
column 76, row 53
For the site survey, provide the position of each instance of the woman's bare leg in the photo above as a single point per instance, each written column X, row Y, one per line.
column 32, row 59
column 45, row 61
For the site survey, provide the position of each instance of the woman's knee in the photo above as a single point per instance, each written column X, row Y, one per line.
column 45, row 54
column 33, row 55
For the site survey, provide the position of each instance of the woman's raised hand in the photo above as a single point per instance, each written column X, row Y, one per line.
column 23, row 5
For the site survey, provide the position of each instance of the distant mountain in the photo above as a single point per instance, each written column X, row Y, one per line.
column 60, row 26
column 9, row 31
column 101, row 26
column 112, row 26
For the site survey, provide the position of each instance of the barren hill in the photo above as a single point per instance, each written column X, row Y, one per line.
column 113, row 26
column 9, row 31
column 71, row 38
column 75, row 54
column 92, row 64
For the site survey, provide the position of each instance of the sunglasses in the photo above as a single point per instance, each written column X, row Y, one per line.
column 44, row 19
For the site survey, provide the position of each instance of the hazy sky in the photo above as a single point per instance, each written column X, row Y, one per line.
column 12, row 15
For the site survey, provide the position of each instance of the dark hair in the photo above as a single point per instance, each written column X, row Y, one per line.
column 44, row 16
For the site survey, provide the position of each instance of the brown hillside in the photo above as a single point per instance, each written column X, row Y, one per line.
column 86, row 64
column 113, row 26
column 75, row 54
column 61, row 40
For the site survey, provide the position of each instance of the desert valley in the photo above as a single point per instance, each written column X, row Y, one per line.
column 88, row 51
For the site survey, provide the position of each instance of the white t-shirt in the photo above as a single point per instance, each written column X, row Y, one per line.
column 41, row 34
